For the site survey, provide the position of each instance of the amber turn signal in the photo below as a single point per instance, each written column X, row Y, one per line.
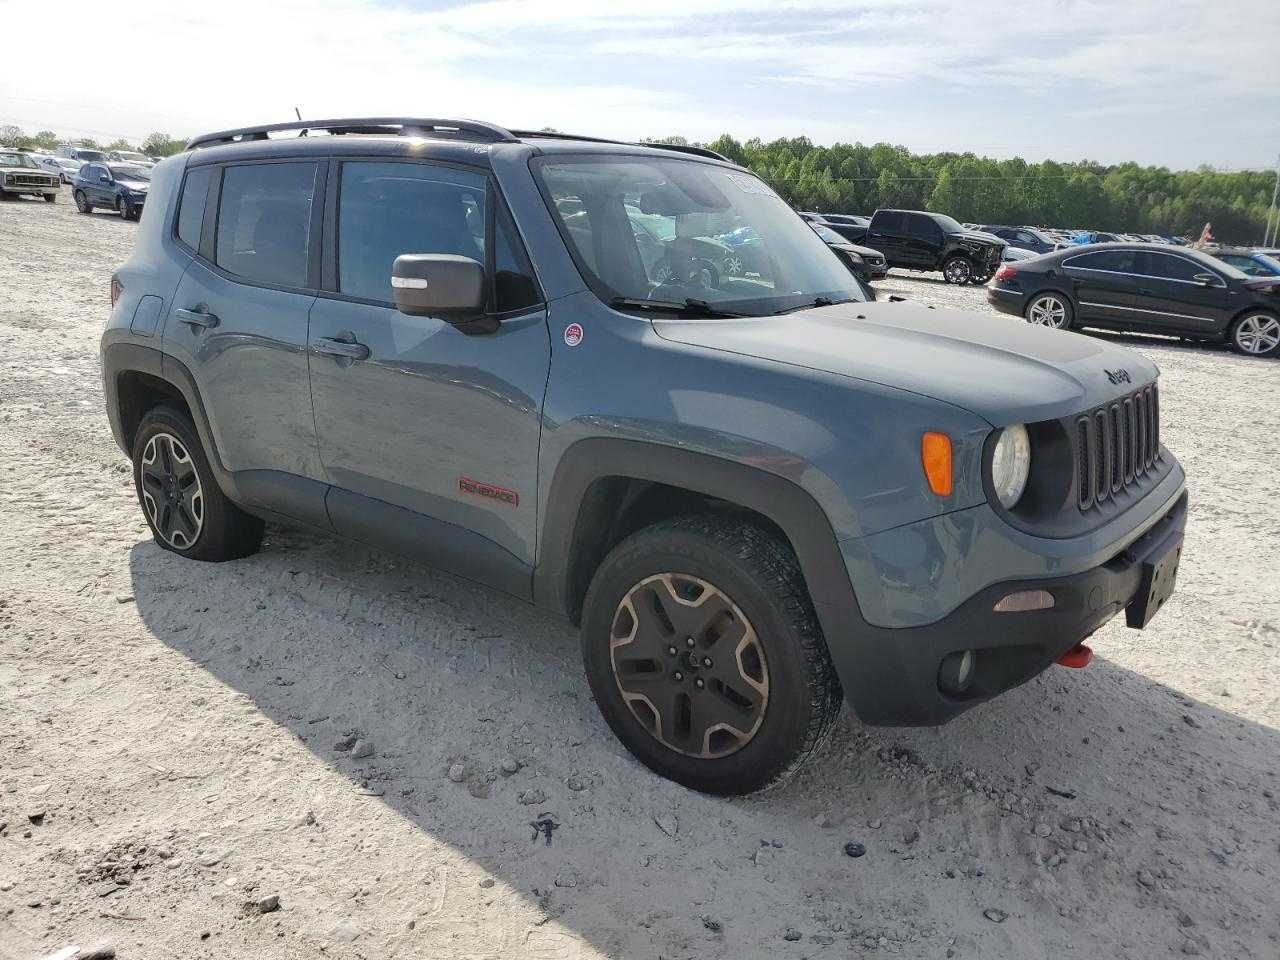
column 935, row 455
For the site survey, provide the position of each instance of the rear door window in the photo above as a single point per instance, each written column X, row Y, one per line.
column 1112, row 261
column 1171, row 268
column 387, row 209
column 264, row 222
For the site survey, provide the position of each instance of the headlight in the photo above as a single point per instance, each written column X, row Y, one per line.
column 1011, row 464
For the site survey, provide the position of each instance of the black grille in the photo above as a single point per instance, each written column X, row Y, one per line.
column 1116, row 446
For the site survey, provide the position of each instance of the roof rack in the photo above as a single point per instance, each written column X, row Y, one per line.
column 679, row 148
column 402, row 126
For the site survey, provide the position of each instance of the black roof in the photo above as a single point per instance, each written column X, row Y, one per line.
column 471, row 132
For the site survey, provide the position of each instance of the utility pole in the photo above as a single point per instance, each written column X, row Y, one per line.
column 1271, row 213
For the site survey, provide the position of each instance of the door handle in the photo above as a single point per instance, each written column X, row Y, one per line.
column 195, row 318
column 340, row 348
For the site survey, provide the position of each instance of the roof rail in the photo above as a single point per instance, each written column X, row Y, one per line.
column 402, row 126
column 679, row 148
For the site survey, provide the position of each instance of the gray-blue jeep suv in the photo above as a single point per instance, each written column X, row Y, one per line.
column 511, row 355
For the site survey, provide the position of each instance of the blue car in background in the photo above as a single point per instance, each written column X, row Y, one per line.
column 121, row 187
column 1255, row 263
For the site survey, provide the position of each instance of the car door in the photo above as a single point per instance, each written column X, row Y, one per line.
column 1181, row 294
column 91, row 182
column 238, row 323
column 888, row 234
column 923, row 241
column 429, row 435
column 1104, row 285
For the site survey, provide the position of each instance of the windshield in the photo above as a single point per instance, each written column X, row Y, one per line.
column 121, row 171
column 671, row 230
column 130, row 155
column 90, row 155
column 946, row 223
column 15, row 159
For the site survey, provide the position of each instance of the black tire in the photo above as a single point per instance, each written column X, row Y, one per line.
column 82, row 202
column 760, row 578
column 223, row 530
column 957, row 269
column 50, row 198
column 1255, row 333
column 125, row 208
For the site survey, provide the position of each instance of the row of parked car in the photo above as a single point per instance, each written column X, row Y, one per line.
column 116, row 180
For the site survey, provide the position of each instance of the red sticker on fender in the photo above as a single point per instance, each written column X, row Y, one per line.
column 573, row 334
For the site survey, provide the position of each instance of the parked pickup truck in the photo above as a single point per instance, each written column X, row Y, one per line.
column 919, row 240
column 757, row 495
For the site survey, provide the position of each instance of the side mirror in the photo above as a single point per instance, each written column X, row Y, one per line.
column 1205, row 279
column 442, row 285
column 104, row 178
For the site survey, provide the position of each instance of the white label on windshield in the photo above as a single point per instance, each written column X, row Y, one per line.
column 752, row 185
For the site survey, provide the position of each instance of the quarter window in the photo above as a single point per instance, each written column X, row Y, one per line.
column 191, row 206
column 389, row 209
column 264, row 222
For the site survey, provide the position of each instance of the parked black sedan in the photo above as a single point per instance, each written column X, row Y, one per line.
column 1147, row 288
column 1027, row 238
column 863, row 262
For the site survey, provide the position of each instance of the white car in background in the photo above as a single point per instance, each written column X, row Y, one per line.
column 64, row 168
column 131, row 156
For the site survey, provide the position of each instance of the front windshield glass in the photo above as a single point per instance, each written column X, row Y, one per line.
column 90, row 155
column 130, row 155
column 946, row 223
column 671, row 230
column 15, row 159
column 121, row 171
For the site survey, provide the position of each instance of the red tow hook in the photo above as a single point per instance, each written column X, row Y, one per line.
column 1077, row 657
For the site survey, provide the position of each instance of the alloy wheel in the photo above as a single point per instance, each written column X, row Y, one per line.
column 1047, row 311
column 1258, row 334
column 957, row 270
column 689, row 665
column 171, row 491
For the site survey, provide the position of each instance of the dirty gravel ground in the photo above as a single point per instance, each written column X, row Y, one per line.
column 169, row 732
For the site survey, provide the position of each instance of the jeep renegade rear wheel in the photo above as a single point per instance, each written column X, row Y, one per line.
column 705, row 657
column 186, row 510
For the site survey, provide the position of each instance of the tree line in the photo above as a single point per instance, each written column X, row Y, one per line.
column 1127, row 197
column 155, row 145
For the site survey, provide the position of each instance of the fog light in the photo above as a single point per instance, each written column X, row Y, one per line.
column 956, row 671
column 1024, row 601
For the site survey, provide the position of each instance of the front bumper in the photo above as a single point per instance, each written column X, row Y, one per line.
column 891, row 675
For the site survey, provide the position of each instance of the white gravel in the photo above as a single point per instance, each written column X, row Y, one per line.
column 185, row 730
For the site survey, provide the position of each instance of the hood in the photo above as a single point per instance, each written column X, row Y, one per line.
column 139, row 186
column 866, row 252
column 1003, row 369
column 979, row 237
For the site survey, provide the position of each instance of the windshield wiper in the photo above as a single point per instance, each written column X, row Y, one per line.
column 815, row 302
column 689, row 306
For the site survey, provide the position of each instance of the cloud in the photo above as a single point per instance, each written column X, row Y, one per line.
column 1032, row 77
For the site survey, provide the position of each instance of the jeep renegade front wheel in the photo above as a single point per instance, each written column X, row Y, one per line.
column 186, row 510
column 704, row 655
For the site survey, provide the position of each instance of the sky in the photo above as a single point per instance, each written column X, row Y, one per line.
column 1164, row 82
